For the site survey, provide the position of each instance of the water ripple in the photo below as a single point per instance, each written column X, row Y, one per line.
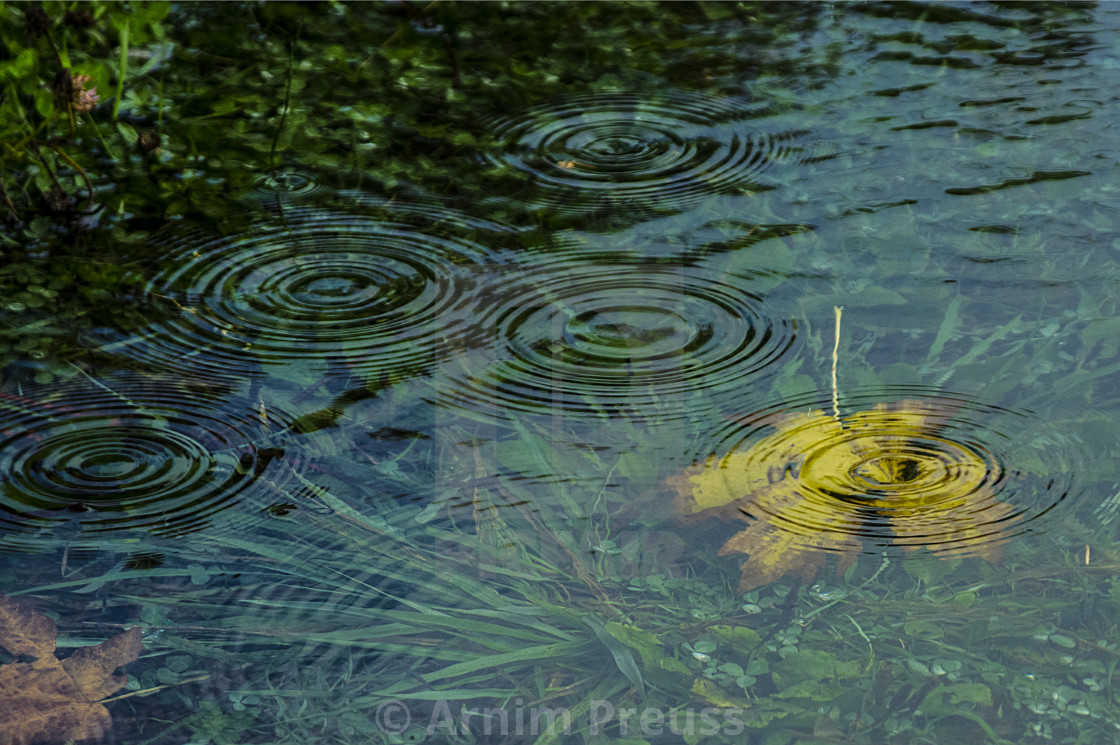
column 603, row 340
column 285, row 184
column 318, row 288
column 588, row 151
column 906, row 467
column 145, row 455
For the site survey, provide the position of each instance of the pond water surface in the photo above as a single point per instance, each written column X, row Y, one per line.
column 585, row 373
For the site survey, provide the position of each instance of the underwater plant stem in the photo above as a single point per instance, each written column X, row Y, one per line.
column 606, row 515
column 870, row 647
column 54, row 48
column 149, row 691
column 73, row 164
column 578, row 566
column 805, row 618
column 8, row 201
column 837, row 309
column 97, row 130
column 159, row 105
column 17, row 149
column 122, row 70
column 456, row 80
column 284, row 113
column 47, row 166
column 101, row 385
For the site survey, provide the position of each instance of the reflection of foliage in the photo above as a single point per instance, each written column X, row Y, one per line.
column 810, row 485
column 205, row 108
column 54, row 307
column 248, row 85
column 64, row 145
column 58, row 64
column 45, row 700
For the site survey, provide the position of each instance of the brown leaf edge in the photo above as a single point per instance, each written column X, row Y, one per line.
column 45, row 700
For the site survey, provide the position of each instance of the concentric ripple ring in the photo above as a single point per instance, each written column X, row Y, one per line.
column 899, row 468
column 599, row 340
column 137, row 457
column 286, row 184
column 318, row 289
column 585, row 151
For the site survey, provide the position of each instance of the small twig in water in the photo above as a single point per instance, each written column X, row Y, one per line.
column 804, row 619
column 870, row 647
column 838, row 309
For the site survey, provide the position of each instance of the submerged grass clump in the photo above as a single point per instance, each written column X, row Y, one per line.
column 311, row 627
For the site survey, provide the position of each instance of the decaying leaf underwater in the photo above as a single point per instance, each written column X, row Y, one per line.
column 821, row 484
column 47, row 700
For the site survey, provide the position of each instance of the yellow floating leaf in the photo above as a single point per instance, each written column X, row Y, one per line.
column 814, row 485
column 775, row 551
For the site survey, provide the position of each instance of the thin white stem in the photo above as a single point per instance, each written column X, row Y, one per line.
column 835, row 358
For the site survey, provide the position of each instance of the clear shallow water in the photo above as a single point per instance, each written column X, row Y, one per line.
column 538, row 398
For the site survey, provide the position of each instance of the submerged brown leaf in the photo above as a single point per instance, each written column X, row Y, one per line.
column 810, row 488
column 45, row 700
